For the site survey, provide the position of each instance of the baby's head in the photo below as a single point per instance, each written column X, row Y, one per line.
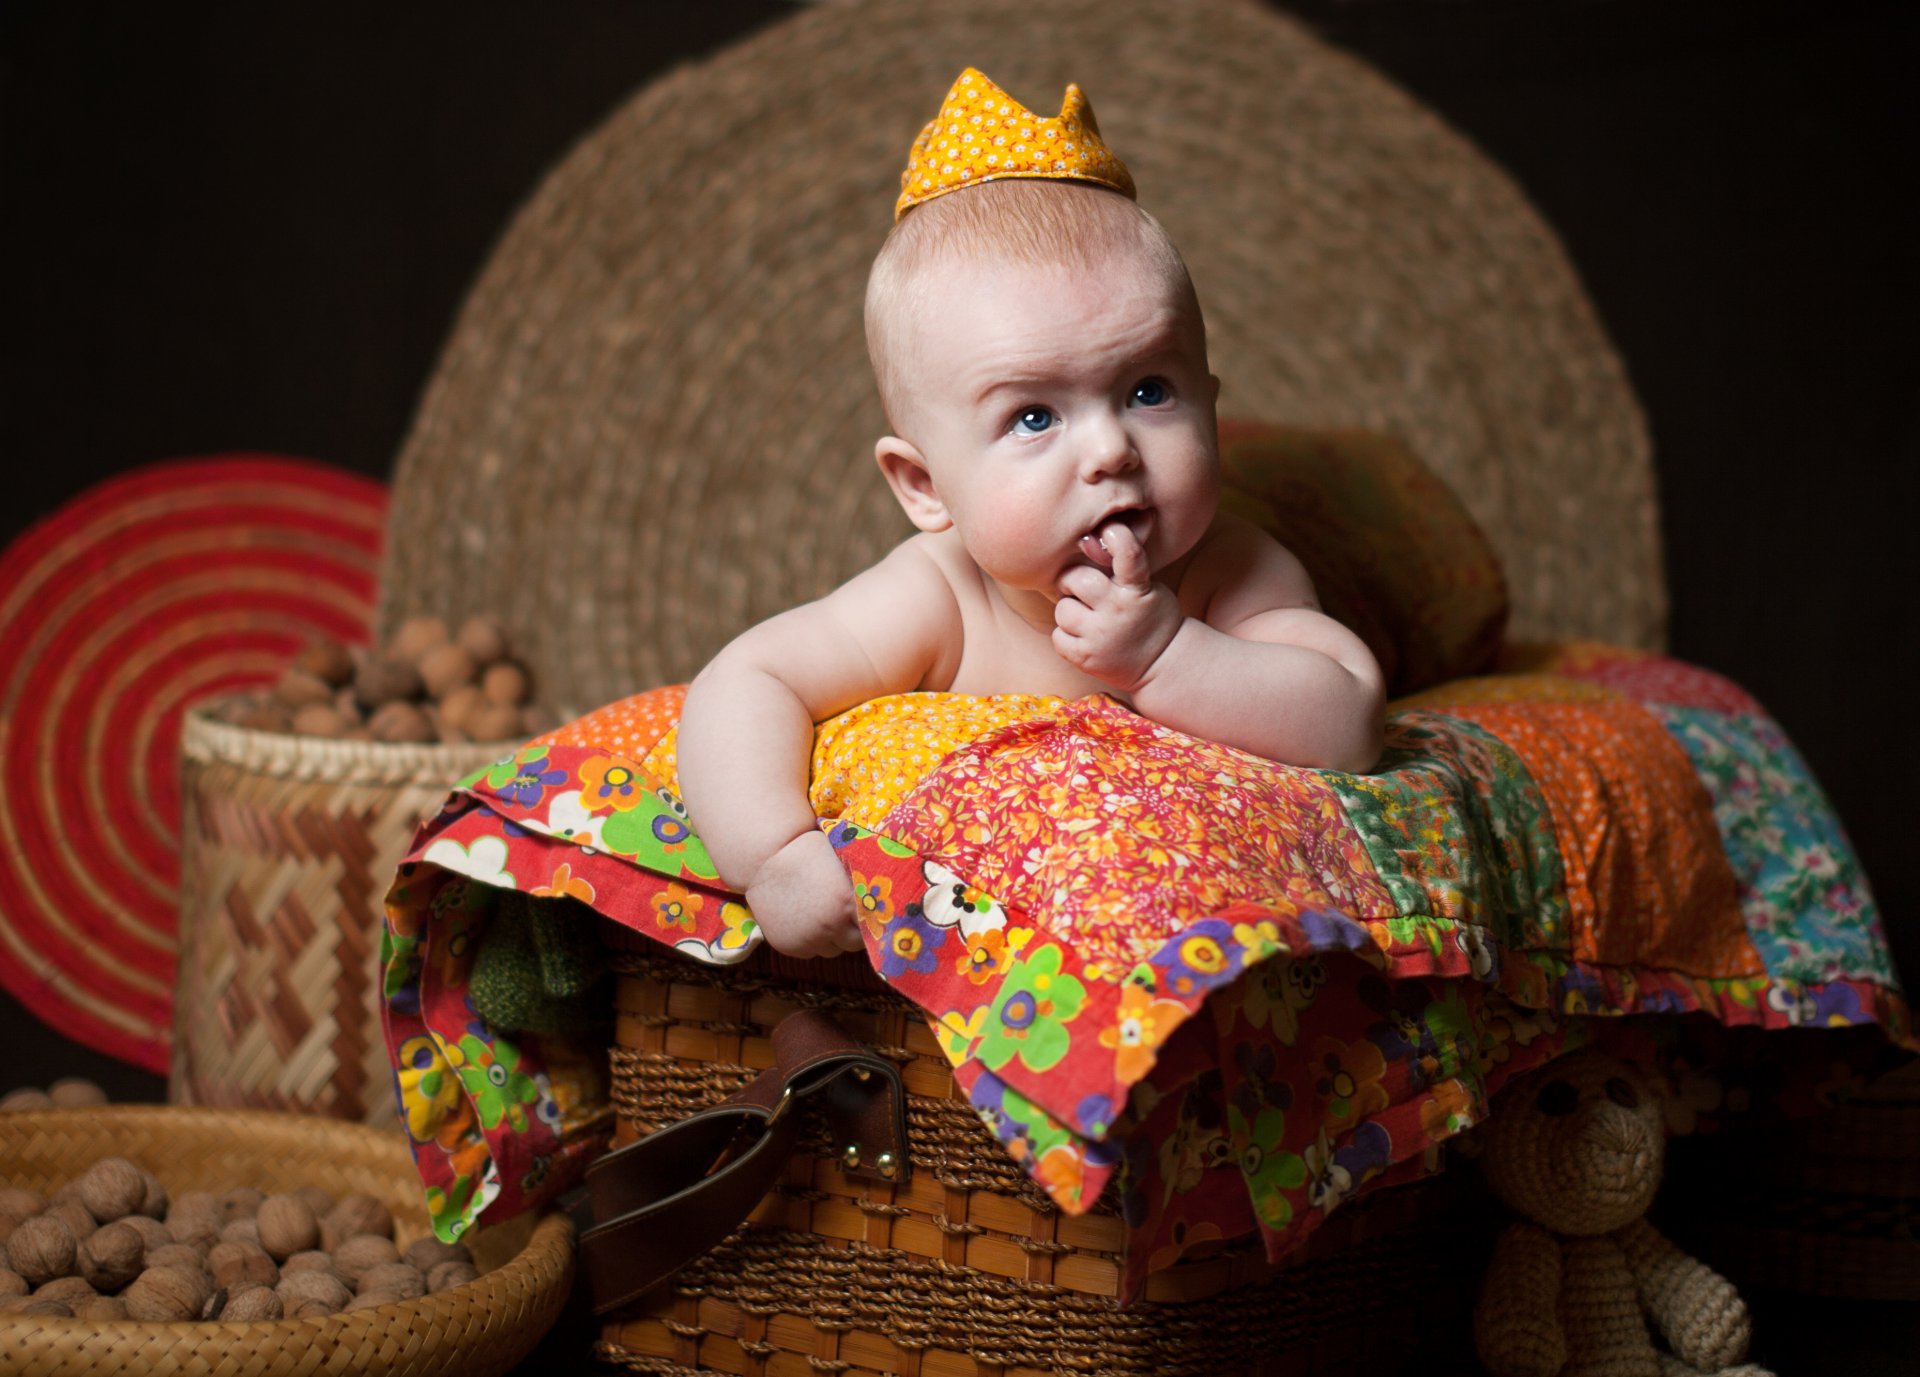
column 1041, row 356
column 1025, row 223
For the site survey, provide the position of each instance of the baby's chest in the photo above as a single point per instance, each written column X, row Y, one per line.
column 996, row 657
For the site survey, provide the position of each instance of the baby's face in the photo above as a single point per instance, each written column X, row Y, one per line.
column 1051, row 401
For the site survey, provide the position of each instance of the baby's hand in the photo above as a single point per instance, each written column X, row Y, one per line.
column 1115, row 626
column 803, row 900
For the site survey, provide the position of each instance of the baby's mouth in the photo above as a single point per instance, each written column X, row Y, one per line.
column 1137, row 520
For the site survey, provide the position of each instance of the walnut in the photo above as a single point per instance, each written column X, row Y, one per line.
column 69, row 1291
column 26, row 1097
column 398, row 722
column 317, row 1200
column 237, row 1265
column 165, row 1294
column 373, row 1300
column 327, row 660
column 33, row 1305
column 75, row 1092
column 42, row 1249
column 155, row 1205
column 492, row 722
column 76, row 1216
column 297, row 688
column 484, row 638
column 459, row 705
column 355, row 1214
column 361, row 1253
column 12, row 1284
column 384, row 680
column 112, row 1188
column 182, row 1255
column 416, row 636
column 444, row 668
column 319, row 719
column 537, row 721
column 252, row 1303
column 8, row 1223
column 309, row 1310
column 242, row 1231
column 393, row 1276
column 447, row 1275
column 242, row 1202
column 325, row 1287
column 21, row 1202
column 112, row 1256
column 193, row 1202
column 427, row 1253
column 153, row 1234
column 287, row 1226
column 101, row 1309
column 505, row 684
column 313, row 1260
column 266, row 717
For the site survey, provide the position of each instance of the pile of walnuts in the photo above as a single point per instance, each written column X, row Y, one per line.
column 426, row 684
column 111, row 1245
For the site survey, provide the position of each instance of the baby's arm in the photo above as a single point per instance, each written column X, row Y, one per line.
column 1262, row 668
column 746, row 738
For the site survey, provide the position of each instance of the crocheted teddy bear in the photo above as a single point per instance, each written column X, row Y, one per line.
column 1575, row 1148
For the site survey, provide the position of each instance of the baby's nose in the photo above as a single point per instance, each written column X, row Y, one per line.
column 1108, row 450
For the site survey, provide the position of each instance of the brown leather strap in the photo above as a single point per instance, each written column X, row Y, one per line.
column 661, row 1202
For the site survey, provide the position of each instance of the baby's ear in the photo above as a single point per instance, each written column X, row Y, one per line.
column 912, row 483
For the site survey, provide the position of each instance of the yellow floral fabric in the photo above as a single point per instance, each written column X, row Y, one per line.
column 982, row 134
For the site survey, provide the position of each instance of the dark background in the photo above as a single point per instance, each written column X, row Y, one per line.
column 232, row 226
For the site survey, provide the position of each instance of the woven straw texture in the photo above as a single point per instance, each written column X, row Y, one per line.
column 288, row 844
column 1825, row 1206
column 967, row 1269
column 474, row 1330
column 653, row 422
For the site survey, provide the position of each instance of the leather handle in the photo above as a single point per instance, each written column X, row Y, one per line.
column 657, row 1204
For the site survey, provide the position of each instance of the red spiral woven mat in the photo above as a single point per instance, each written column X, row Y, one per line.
column 164, row 585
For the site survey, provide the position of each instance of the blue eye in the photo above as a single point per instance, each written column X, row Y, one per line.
column 1032, row 421
column 1150, row 392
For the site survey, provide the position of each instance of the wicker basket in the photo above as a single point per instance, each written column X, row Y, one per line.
column 967, row 1270
column 1825, row 1206
column 287, row 846
column 483, row 1327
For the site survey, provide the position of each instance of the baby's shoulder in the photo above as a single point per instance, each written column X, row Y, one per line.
column 1238, row 570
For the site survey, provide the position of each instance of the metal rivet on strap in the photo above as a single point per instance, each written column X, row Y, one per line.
column 861, row 1073
column 886, row 1166
column 850, row 1157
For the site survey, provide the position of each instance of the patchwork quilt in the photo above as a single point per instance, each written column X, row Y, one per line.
column 1234, row 993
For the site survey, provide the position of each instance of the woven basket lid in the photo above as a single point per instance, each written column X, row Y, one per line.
column 653, row 423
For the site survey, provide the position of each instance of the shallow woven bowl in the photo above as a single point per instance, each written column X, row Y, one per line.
column 481, row 1328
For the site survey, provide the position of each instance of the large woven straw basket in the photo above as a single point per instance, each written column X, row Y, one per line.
column 475, row 1330
column 288, row 844
column 653, row 423
column 967, row 1269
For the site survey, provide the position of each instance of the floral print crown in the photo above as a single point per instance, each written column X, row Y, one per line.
column 983, row 134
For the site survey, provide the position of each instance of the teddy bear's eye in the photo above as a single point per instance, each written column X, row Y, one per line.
column 1622, row 1093
column 1557, row 1098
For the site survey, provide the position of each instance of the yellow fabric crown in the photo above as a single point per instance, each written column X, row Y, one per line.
column 982, row 134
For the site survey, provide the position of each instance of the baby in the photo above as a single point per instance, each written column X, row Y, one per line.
column 1042, row 361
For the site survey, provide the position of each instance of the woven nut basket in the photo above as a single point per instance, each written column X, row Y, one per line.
column 287, row 846
column 968, row 1270
column 475, row 1330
